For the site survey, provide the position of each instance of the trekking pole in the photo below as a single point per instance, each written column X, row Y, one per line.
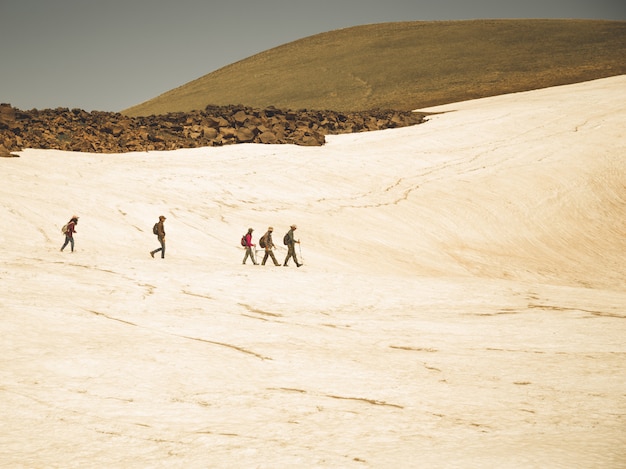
column 300, row 250
column 255, row 252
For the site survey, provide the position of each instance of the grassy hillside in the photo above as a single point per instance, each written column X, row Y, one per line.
column 408, row 65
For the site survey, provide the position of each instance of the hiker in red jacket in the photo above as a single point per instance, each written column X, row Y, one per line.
column 69, row 233
column 249, row 247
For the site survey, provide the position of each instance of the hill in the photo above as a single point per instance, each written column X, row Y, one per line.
column 408, row 65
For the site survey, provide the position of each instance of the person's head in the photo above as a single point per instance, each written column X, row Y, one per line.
column 161, row 218
column 270, row 229
column 294, row 227
column 74, row 219
column 250, row 230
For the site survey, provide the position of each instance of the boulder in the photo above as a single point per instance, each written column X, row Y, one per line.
column 240, row 117
column 245, row 135
column 227, row 132
column 7, row 117
column 4, row 153
column 268, row 137
column 209, row 132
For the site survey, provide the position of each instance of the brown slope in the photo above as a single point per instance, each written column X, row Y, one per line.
column 408, row 65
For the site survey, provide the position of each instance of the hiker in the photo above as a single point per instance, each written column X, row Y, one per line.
column 69, row 231
column 290, row 241
column 247, row 243
column 267, row 243
column 159, row 230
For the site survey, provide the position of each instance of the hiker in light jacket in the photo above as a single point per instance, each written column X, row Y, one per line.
column 161, row 237
column 268, row 245
column 291, row 246
column 69, row 233
column 249, row 246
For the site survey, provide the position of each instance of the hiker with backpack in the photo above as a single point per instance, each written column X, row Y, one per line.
column 246, row 241
column 290, row 242
column 266, row 243
column 159, row 230
column 68, row 230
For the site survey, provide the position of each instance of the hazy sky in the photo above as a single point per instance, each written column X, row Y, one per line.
column 109, row 55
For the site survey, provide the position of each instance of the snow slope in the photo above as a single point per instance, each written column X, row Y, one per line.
column 461, row 303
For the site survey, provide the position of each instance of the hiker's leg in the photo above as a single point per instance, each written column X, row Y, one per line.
column 290, row 254
column 273, row 258
column 161, row 249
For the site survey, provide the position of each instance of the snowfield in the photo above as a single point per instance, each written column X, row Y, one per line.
column 462, row 301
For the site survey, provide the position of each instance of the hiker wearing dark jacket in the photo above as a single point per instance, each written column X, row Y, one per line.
column 160, row 232
column 249, row 246
column 268, row 245
column 69, row 233
column 291, row 246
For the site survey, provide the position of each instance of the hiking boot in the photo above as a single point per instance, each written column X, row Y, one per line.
column 152, row 254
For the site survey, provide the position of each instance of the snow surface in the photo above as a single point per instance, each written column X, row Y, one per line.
column 462, row 301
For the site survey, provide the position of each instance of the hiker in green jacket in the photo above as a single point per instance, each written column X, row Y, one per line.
column 160, row 232
column 291, row 246
column 267, row 244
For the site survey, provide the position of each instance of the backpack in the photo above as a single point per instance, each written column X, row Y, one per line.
column 243, row 241
column 155, row 228
column 262, row 241
column 286, row 239
column 64, row 229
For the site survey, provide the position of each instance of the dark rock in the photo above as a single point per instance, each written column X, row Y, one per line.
column 245, row 135
column 106, row 132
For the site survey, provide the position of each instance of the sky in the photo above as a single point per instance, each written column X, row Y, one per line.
column 112, row 55
column 461, row 304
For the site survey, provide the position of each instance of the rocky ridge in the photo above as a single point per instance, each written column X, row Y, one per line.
column 107, row 132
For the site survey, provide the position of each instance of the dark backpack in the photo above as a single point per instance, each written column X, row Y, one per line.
column 155, row 228
column 262, row 241
column 286, row 239
column 243, row 241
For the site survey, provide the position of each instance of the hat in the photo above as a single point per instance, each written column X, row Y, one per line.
column 250, row 230
column 294, row 226
column 161, row 217
column 271, row 228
